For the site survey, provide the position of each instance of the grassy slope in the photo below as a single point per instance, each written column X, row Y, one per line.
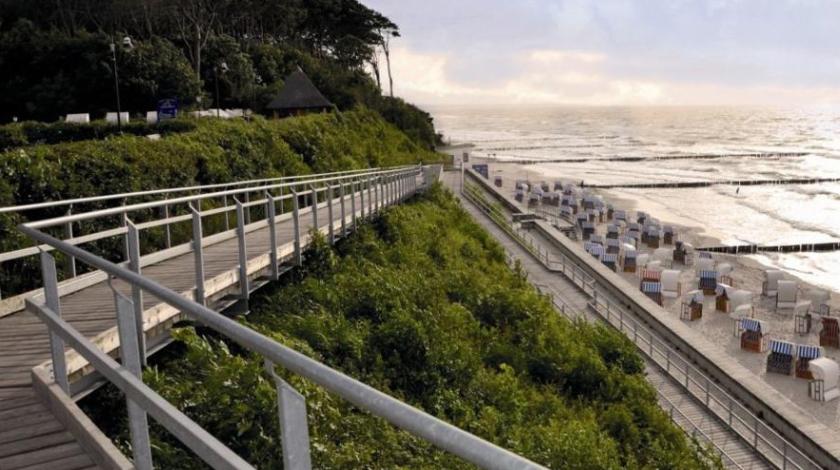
column 422, row 305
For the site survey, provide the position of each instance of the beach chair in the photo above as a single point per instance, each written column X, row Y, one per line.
column 826, row 375
column 704, row 264
column 641, row 217
column 519, row 195
column 786, row 295
column 613, row 246
column 653, row 290
column 668, row 235
column 739, row 313
column 610, row 260
column 780, row 359
column 722, row 298
column 650, row 275
column 770, row 286
column 534, row 198
column 653, row 237
column 610, row 212
column 692, row 306
column 596, row 250
column 544, row 186
column 566, row 212
column 725, row 273
column 708, row 282
column 523, row 185
column 628, row 262
column 612, row 231
column 497, row 181
column 830, row 332
column 671, row 287
column 753, row 335
column 820, row 301
column 629, row 239
column 620, row 215
column 595, row 238
column 588, row 229
column 805, row 353
column 558, row 186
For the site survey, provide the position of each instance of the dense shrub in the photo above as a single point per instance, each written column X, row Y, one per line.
column 34, row 132
column 421, row 305
column 215, row 151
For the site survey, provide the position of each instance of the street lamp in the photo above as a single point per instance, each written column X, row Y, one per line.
column 223, row 67
column 128, row 45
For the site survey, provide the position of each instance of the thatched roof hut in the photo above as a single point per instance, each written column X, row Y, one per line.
column 298, row 96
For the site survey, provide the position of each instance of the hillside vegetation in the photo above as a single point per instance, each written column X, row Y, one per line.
column 215, row 151
column 422, row 305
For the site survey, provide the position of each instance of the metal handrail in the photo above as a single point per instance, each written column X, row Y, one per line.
column 753, row 424
column 166, row 191
column 416, row 422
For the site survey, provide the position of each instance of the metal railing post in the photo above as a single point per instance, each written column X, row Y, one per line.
column 294, row 428
column 362, row 200
column 343, row 213
column 138, row 422
column 377, row 195
column 247, row 209
column 271, row 214
column 282, row 202
column 68, row 231
column 52, row 301
column 243, row 251
column 124, row 222
column 296, row 218
column 353, row 204
column 330, row 194
column 227, row 214
column 198, row 254
column 370, row 197
column 136, row 292
column 166, row 227
column 314, row 198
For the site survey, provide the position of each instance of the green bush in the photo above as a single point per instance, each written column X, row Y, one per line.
column 413, row 306
column 34, row 132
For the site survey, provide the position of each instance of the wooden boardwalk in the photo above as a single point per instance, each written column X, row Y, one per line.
column 689, row 414
column 33, row 436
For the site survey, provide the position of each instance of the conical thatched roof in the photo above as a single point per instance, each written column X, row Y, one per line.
column 299, row 93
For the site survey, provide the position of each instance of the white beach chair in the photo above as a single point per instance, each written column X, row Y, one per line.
column 826, row 373
column 82, row 118
column 704, row 264
column 771, row 282
column 786, row 295
column 671, row 287
column 820, row 301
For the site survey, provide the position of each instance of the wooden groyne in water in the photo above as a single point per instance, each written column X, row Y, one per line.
column 703, row 184
column 792, row 248
column 709, row 156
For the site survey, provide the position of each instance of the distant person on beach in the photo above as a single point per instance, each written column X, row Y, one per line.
column 582, row 184
column 738, row 191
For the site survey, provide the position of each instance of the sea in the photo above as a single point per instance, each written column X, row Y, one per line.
column 773, row 214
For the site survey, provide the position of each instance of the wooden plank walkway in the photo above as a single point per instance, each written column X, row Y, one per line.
column 690, row 414
column 30, row 435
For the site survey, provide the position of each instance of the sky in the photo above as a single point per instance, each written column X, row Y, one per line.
column 616, row 52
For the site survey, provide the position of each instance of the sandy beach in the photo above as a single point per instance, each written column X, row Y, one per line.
column 718, row 327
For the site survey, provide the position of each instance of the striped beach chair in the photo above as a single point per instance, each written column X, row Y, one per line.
column 804, row 354
column 620, row 215
column 580, row 219
column 610, row 260
column 653, row 290
column 613, row 246
column 650, row 275
column 596, row 250
column 588, row 229
column 599, row 239
column 708, row 282
column 753, row 334
column 780, row 359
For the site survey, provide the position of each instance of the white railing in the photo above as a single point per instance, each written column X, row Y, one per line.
column 142, row 401
column 758, row 434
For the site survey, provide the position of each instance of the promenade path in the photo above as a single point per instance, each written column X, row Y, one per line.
column 32, row 433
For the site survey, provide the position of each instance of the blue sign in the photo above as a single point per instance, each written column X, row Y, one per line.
column 167, row 109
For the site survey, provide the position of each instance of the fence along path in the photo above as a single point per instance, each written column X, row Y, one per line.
column 230, row 266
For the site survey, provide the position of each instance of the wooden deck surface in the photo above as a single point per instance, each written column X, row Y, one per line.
column 30, row 436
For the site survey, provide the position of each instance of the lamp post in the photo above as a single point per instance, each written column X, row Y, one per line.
column 126, row 42
column 223, row 67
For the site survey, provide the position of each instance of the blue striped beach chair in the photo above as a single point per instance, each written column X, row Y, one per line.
column 610, row 260
column 596, row 250
column 780, row 359
column 708, row 282
column 804, row 353
column 753, row 334
column 653, row 290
